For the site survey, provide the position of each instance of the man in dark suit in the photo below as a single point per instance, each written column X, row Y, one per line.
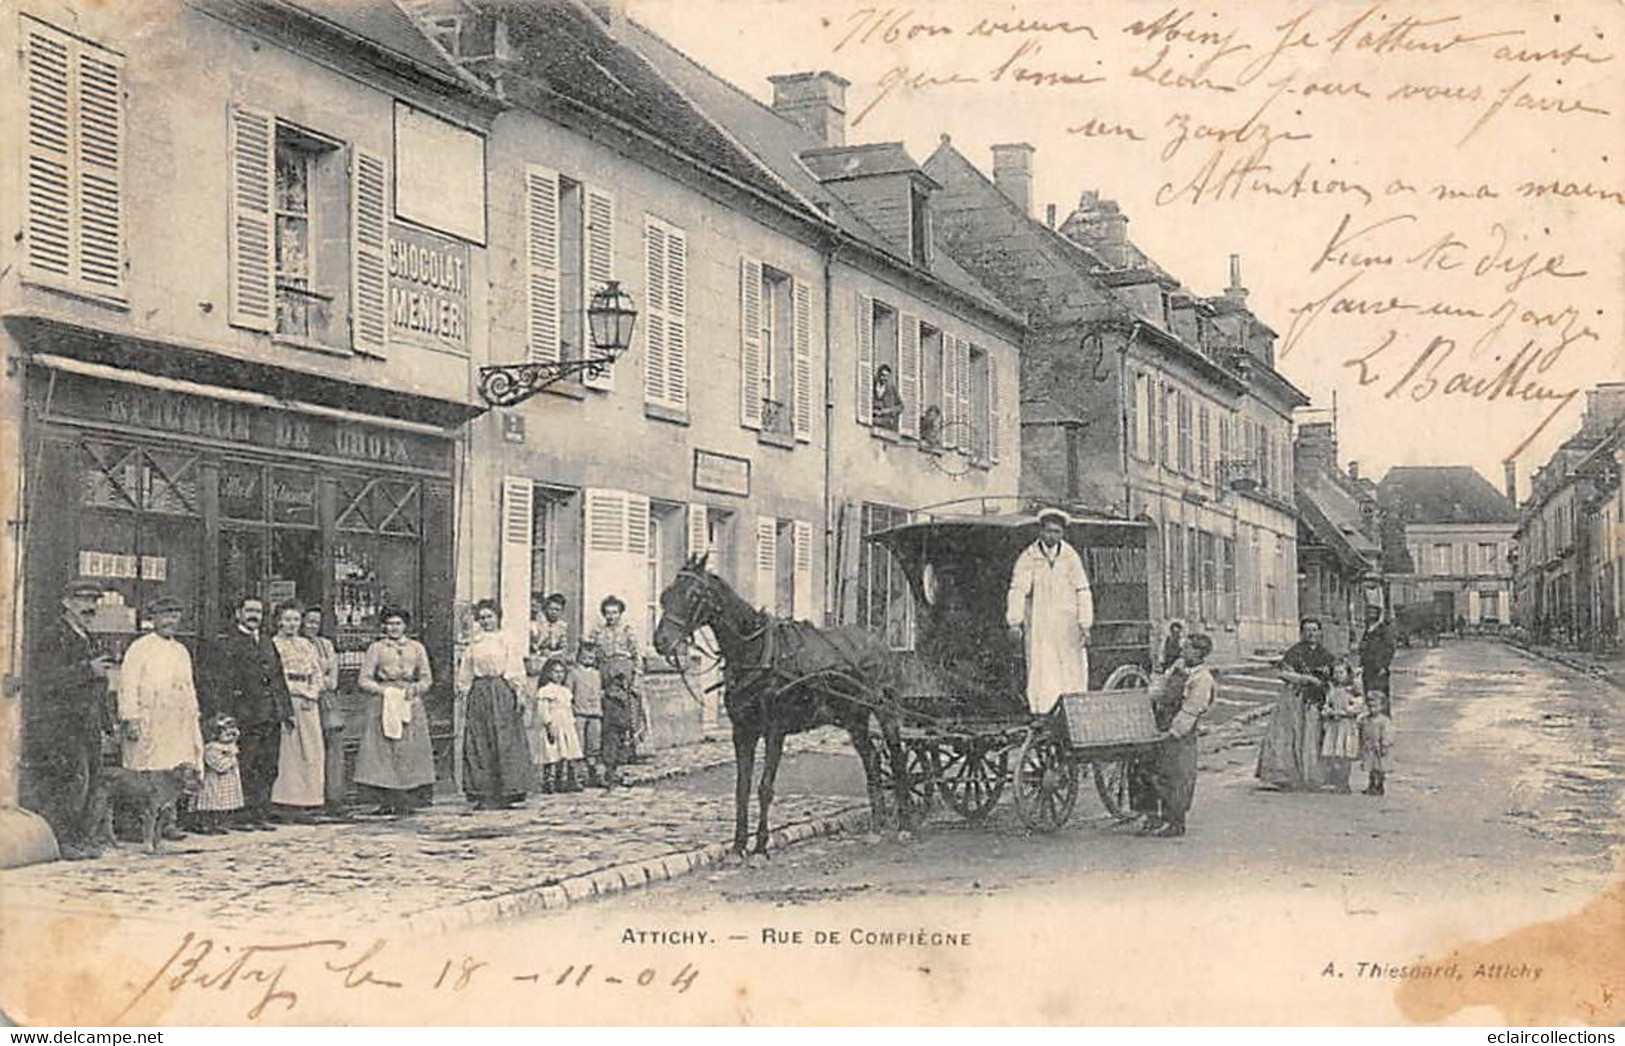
column 67, row 718
column 1376, row 651
column 245, row 681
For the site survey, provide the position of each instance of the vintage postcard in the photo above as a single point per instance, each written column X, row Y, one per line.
column 559, row 512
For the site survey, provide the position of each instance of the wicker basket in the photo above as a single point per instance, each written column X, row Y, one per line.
column 1108, row 717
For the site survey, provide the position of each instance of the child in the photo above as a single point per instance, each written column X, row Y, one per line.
column 620, row 719
column 222, row 791
column 555, row 734
column 1340, row 740
column 1376, row 740
column 587, row 686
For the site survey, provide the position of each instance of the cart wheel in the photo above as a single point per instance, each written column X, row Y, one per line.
column 1112, row 785
column 1046, row 782
column 1127, row 677
column 918, row 756
column 971, row 776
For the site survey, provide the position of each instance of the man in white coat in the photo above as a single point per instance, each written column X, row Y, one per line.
column 1051, row 607
column 157, row 698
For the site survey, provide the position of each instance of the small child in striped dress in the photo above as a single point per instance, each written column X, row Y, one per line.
column 222, row 791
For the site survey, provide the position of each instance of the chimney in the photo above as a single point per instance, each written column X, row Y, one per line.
column 1509, row 470
column 1049, row 215
column 1354, row 470
column 1317, row 447
column 1099, row 225
column 816, row 101
column 1236, row 292
column 1013, row 173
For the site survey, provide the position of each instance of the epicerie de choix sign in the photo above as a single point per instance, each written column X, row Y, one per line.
column 428, row 289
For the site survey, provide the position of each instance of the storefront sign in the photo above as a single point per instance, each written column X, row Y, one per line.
column 722, row 473
column 116, row 565
column 260, row 428
column 428, row 289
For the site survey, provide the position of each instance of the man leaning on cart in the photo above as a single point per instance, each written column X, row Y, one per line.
column 1051, row 606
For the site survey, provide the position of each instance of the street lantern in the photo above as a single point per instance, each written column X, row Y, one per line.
column 610, row 319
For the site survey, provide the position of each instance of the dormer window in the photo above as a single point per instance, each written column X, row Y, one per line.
column 919, row 214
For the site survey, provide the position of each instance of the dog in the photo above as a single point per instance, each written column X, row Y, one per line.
column 153, row 795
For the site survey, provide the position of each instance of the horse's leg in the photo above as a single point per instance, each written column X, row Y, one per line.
column 859, row 732
column 774, row 748
column 893, row 736
column 744, row 768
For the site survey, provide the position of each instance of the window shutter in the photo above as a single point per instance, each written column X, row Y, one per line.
column 518, row 496
column 253, row 238
column 962, row 383
column 654, row 325
column 751, row 349
column 600, row 269
column 802, row 535
column 995, row 418
column 676, row 319
column 369, row 244
column 865, row 313
column 950, row 398
column 767, row 563
column 699, row 530
column 908, row 373
column 49, row 226
column 99, row 168
column 634, row 569
column 802, row 300
column 542, row 284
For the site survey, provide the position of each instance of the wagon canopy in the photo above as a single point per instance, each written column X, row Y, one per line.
column 958, row 568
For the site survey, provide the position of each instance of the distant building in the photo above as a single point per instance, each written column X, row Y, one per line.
column 1456, row 530
column 1339, row 554
column 1570, row 579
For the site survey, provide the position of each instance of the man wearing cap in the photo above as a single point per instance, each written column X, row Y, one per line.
column 1051, row 608
column 67, row 720
column 157, row 697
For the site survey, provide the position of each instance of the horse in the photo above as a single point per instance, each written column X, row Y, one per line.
column 785, row 677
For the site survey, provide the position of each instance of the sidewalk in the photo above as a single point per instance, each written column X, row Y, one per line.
column 1610, row 668
column 442, row 868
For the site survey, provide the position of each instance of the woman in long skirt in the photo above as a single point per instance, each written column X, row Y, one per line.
column 300, row 784
column 496, row 755
column 395, row 765
column 1289, row 758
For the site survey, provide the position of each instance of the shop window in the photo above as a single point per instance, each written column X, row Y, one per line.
column 376, row 553
column 312, row 249
column 885, row 605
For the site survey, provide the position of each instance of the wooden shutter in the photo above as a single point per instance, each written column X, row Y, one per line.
column 654, row 325
column 676, row 319
column 603, row 551
column 253, row 237
column 950, row 398
column 995, row 416
column 767, row 563
column 542, row 283
column 600, row 253
column 865, row 314
column 962, row 378
column 698, row 529
column 801, row 297
column 751, row 349
column 99, row 169
column 369, row 244
column 518, row 497
column 908, row 373
column 802, row 536
column 49, row 151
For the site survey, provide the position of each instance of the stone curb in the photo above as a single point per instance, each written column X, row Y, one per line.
column 1597, row 672
column 618, row 879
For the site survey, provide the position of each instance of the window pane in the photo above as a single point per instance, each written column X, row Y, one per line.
column 242, row 491
column 293, row 497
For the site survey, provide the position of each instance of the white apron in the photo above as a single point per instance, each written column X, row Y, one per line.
column 1051, row 596
column 157, row 694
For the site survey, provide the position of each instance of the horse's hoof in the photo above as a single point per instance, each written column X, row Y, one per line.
column 905, row 836
column 757, row 859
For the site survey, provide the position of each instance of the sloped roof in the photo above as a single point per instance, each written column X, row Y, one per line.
column 834, row 163
column 1443, row 494
column 781, row 145
column 570, row 52
column 1335, row 520
column 382, row 23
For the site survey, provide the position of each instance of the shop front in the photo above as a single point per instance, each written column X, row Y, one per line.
column 155, row 487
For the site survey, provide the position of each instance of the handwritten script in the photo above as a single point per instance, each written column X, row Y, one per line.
column 1429, row 195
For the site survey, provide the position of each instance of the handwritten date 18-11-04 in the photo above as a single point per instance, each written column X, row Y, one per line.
column 263, row 975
